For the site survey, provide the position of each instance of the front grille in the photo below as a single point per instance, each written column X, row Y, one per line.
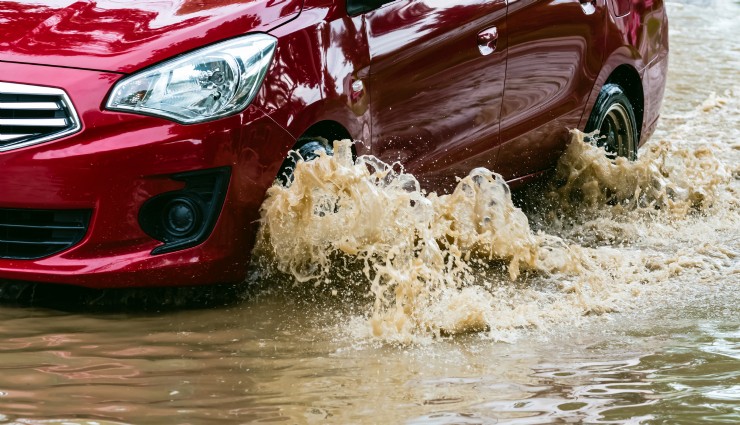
column 34, row 114
column 30, row 234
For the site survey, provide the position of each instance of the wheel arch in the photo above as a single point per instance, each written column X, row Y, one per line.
column 625, row 68
column 329, row 129
column 629, row 80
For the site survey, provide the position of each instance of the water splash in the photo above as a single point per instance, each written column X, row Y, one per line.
column 672, row 179
column 434, row 263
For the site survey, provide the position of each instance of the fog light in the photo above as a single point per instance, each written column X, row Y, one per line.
column 182, row 217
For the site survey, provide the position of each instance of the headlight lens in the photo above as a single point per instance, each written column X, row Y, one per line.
column 203, row 85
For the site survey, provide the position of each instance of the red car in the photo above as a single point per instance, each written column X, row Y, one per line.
column 137, row 139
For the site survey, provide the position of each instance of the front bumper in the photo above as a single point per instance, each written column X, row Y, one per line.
column 114, row 165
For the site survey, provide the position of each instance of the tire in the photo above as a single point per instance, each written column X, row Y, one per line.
column 307, row 150
column 614, row 117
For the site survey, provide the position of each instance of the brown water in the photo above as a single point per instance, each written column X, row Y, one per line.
column 613, row 300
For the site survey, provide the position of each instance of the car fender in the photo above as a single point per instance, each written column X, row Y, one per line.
column 317, row 74
column 624, row 55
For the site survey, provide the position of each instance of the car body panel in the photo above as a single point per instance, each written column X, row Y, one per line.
column 638, row 39
column 438, row 118
column 322, row 53
column 553, row 62
column 126, row 36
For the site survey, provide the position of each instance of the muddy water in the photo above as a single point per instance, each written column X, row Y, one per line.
column 613, row 300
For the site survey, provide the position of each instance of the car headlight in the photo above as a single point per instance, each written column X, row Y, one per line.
column 203, row 85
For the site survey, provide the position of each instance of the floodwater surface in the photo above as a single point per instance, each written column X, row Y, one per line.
column 611, row 296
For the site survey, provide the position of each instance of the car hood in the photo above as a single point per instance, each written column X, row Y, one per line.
column 124, row 36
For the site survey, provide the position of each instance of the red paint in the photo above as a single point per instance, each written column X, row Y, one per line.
column 127, row 36
column 439, row 121
column 551, row 68
column 429, row 98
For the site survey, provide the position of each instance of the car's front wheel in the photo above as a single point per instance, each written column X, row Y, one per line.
column 614, row 118
column 307, row 150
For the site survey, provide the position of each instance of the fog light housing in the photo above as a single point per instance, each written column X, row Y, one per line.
column 186, row 217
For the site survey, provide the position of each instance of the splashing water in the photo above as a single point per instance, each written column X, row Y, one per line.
column 675, row 182
column 433, row 262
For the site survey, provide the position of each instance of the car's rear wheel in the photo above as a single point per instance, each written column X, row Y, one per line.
column 306, row 150
column 614, row 118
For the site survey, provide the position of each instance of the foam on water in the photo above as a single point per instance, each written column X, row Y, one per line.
column 470, row 260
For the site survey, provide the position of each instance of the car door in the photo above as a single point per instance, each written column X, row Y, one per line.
column 555, row 52
column 436, row 84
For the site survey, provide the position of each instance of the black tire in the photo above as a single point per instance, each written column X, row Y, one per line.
column 307, row 150
column 614, row 117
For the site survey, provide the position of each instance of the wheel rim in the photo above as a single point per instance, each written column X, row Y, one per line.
column 615, row 132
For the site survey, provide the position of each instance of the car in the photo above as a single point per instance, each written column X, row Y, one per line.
column 138, row 139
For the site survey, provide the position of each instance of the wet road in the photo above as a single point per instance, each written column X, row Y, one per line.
column 652, row 337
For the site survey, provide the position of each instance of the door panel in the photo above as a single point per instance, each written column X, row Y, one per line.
column 553, row 62
column 435, row 98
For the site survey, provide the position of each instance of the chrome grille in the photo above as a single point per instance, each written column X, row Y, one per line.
column 34, row 114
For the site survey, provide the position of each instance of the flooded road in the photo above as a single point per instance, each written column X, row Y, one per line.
column 607, row 303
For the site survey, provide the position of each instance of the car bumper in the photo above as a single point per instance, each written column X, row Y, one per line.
column 114, row 165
